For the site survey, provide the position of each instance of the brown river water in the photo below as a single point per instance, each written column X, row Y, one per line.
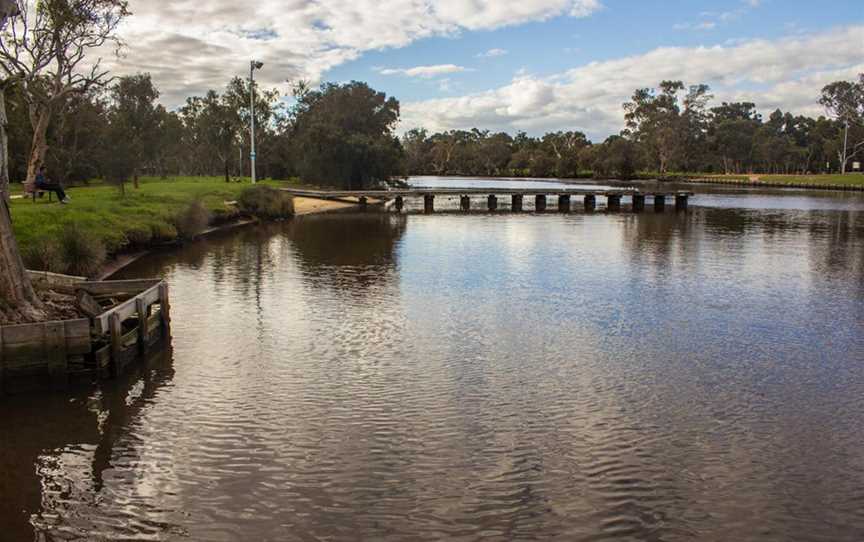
column 364, row 376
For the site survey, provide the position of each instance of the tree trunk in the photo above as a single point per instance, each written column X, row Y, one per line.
column 18, row 301
column 39, row 147
column 227, row 175
column 4, row 146
column 135, row 180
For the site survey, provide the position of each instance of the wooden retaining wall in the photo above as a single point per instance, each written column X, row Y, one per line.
column 98, row 347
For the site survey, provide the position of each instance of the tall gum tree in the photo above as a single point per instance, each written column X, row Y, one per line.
column 844, row 101
column 18, row 300
column 48, row 46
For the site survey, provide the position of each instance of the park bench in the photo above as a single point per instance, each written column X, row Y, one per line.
column 37, row 193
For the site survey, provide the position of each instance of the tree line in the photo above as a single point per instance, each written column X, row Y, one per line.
column 344, row 135
column 668, row 129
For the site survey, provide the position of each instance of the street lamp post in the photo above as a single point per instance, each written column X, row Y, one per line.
column 253, row 65
column 845, row 146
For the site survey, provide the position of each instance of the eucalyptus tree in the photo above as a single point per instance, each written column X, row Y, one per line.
column 18, row 300
column 653, row 122
column 135, row 113
column 844, row 100
column 50, row 47
column 344, row 135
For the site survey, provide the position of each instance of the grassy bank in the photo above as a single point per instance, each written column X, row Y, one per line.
column 100, row 218
column 850, row 180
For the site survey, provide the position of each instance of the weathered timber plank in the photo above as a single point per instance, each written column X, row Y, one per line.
column 55, row 352
column 23, row 334
column 118, row 287
column 126, row 310
column 89, row 306
column 421, row 192
column 62, row 283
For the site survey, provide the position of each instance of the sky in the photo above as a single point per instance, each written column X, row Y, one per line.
column 504, row 65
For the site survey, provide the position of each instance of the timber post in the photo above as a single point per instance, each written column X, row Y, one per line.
column 681, row 202
column 659, row 203
column 143, row 328
column 364, row 201
column 493, row 203
column 516, row 204
column 613, row 202
column 638, row 203
column 590, row 202
column 116, row 331
column 564, row 203
column 540, row 203
column 55, row 352
column 465, row 203
column 428, row 203
column 400, row 203
column 165, row 308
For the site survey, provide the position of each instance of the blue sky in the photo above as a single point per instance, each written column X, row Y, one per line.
column 621, row 28
column 531, row 65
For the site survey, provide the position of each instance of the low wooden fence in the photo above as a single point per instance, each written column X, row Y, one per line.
column 137, row 321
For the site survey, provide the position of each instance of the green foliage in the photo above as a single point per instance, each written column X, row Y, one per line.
column 45, row 256
column 342, row 135
column 266, row 202
column 81, row 251
column 191, row 221
column 121, row 221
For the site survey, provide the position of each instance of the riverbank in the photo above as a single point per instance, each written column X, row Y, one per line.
column 848, row 182
column 102, row 230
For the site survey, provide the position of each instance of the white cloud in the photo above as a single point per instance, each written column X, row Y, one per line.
column 786, row 73
column 706, row 25
column 424, row 71
column 491, row 53
column 190, row 46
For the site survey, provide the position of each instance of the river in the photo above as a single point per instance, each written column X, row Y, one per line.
column 583, row 376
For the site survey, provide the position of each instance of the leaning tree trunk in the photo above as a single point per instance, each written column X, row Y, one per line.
column 39, row 147
column 4, row 146
column 18, row 301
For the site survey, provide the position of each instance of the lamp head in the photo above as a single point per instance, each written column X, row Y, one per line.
column 256, row 65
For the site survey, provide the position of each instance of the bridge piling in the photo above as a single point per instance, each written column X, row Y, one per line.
column 638, row 203
column 564, row 203
column 659, row 203
column 428, row 203
column 540, row 203
column 681, row 202
column 613, row 202
column 590, row 202
column 400, row 203
column 465, row 203
column 493, row 203
column 517, row 203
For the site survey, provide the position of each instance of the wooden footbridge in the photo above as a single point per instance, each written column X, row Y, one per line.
column 517, row 197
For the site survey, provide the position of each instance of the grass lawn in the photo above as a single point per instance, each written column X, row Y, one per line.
column 141, row 216
column 850, row 179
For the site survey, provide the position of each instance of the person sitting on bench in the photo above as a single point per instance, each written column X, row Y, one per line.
column 43, row 184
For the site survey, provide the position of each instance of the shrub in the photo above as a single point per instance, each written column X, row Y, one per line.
column 266, row 202
column 162, row 231
column 139, row 235
column 81, row 252
column 44, row 256
column 192, row 221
